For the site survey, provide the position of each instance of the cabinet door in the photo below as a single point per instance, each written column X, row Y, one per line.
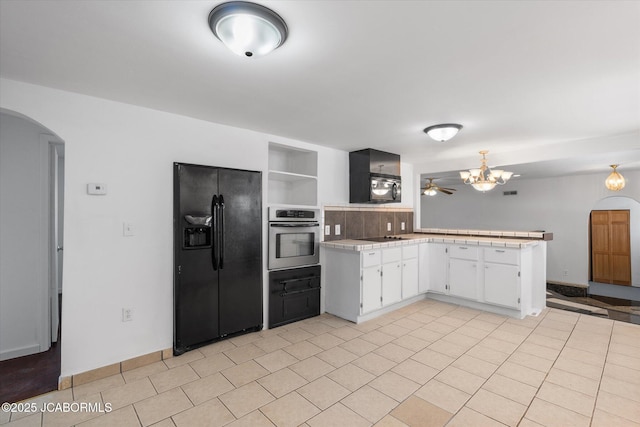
column 409, row 277
column 391, row 282
column 463, row 278
column 371, row 289
column 502, row 285
column 437, row 268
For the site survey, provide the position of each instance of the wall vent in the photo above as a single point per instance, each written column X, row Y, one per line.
column 509, row 193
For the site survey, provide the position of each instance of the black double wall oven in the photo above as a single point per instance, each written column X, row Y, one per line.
column 294, row 254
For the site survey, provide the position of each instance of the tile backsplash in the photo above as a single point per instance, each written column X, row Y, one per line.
column 356, row 223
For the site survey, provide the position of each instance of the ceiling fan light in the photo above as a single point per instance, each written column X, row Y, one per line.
column 247, row 29
column 430, row 192
column 615, row 181
column 443, row 132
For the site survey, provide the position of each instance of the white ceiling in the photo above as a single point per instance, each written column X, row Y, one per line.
column 531, row 81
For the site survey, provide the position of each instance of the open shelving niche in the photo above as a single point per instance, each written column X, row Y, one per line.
column 293, row 176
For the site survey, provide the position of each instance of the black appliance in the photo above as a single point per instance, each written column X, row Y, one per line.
column 217, row 254
column 374, row 177
column 294, row 295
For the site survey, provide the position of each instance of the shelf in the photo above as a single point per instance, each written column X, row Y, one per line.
column 292, row 176
column 289, row 176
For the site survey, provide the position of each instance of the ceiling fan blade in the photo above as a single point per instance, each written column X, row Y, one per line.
column 449, row 189
column 444, row 191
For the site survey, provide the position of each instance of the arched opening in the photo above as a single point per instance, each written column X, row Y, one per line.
column 31, row 256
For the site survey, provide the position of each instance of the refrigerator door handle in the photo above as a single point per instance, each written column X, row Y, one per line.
column 221, row 226
column 214, row 232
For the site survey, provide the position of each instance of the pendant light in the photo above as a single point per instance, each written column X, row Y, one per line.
column 615, row 181
column 443, row 132
column 485, row 179
column 248, row 29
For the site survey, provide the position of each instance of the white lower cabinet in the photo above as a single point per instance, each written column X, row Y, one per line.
column 502, row 280
column 371, row 289
column 437, row 266
column 391, row 275
column 502, row 284
column 410, row 271
column 463, row 278
column 502, row 277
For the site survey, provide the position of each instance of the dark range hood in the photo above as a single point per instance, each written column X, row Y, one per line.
column 374, row 177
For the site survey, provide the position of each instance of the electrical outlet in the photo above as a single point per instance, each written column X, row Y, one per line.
column 337, row 229
column 128, row 229
column 402, row 226
column 388, row 226
column 327, row 230
column 127, row 314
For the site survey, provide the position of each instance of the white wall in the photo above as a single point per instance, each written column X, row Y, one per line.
column 131, row 150
column 558, row 205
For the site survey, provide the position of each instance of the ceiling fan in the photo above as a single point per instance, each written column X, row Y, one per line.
column 431, row 189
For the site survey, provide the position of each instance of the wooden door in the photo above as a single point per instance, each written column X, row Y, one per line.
column 611, row 247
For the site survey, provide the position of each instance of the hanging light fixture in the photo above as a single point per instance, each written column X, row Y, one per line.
column 484, row 178
column 248, row 29
column 615, row 181
column 443, row 132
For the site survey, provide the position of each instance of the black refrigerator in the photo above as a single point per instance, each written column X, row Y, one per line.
column 217, row 254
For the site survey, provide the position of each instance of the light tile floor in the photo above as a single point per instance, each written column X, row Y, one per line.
column 428, row 364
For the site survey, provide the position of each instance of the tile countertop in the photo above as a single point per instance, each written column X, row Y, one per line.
column 503, row 239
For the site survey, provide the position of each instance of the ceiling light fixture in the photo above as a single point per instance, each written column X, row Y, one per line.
column 615, row 181
column 443, row 132
column 248, row 29
column 484, row 178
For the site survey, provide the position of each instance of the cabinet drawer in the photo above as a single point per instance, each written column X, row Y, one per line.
column 391, row 255
column 370, row 258
column 463, row 252
column 410, row 252
column 501, row 256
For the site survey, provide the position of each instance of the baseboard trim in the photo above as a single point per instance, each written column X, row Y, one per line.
column 113, row 369
column 19, row 352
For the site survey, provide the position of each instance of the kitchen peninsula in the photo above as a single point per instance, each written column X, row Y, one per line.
column 503, row 272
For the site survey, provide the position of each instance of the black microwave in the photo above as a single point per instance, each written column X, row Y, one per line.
column 384, row 189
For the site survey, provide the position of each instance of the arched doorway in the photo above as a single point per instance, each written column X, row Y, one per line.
column 31, row 227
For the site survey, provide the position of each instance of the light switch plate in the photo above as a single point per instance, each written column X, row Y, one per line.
column 337, row 229
column 402, row 226
column 388, row 226
column 327, row 230
column 96, row 189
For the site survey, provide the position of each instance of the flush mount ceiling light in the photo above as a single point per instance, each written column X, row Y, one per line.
column 443, row 132
column 615, row 181
column 485, row 179
column 248, row 29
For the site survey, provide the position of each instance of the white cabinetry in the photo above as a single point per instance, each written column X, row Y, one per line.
column 410, row 271
column 391, row 276
column 384, row 281
column 293, row 176
column 502, row 277
column 371, row 279
column 463, row 271
column 437, row 267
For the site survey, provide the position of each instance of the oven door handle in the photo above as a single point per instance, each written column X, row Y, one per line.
column 301, row 225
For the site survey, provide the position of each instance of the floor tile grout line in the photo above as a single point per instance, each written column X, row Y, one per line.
column 604, row 365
